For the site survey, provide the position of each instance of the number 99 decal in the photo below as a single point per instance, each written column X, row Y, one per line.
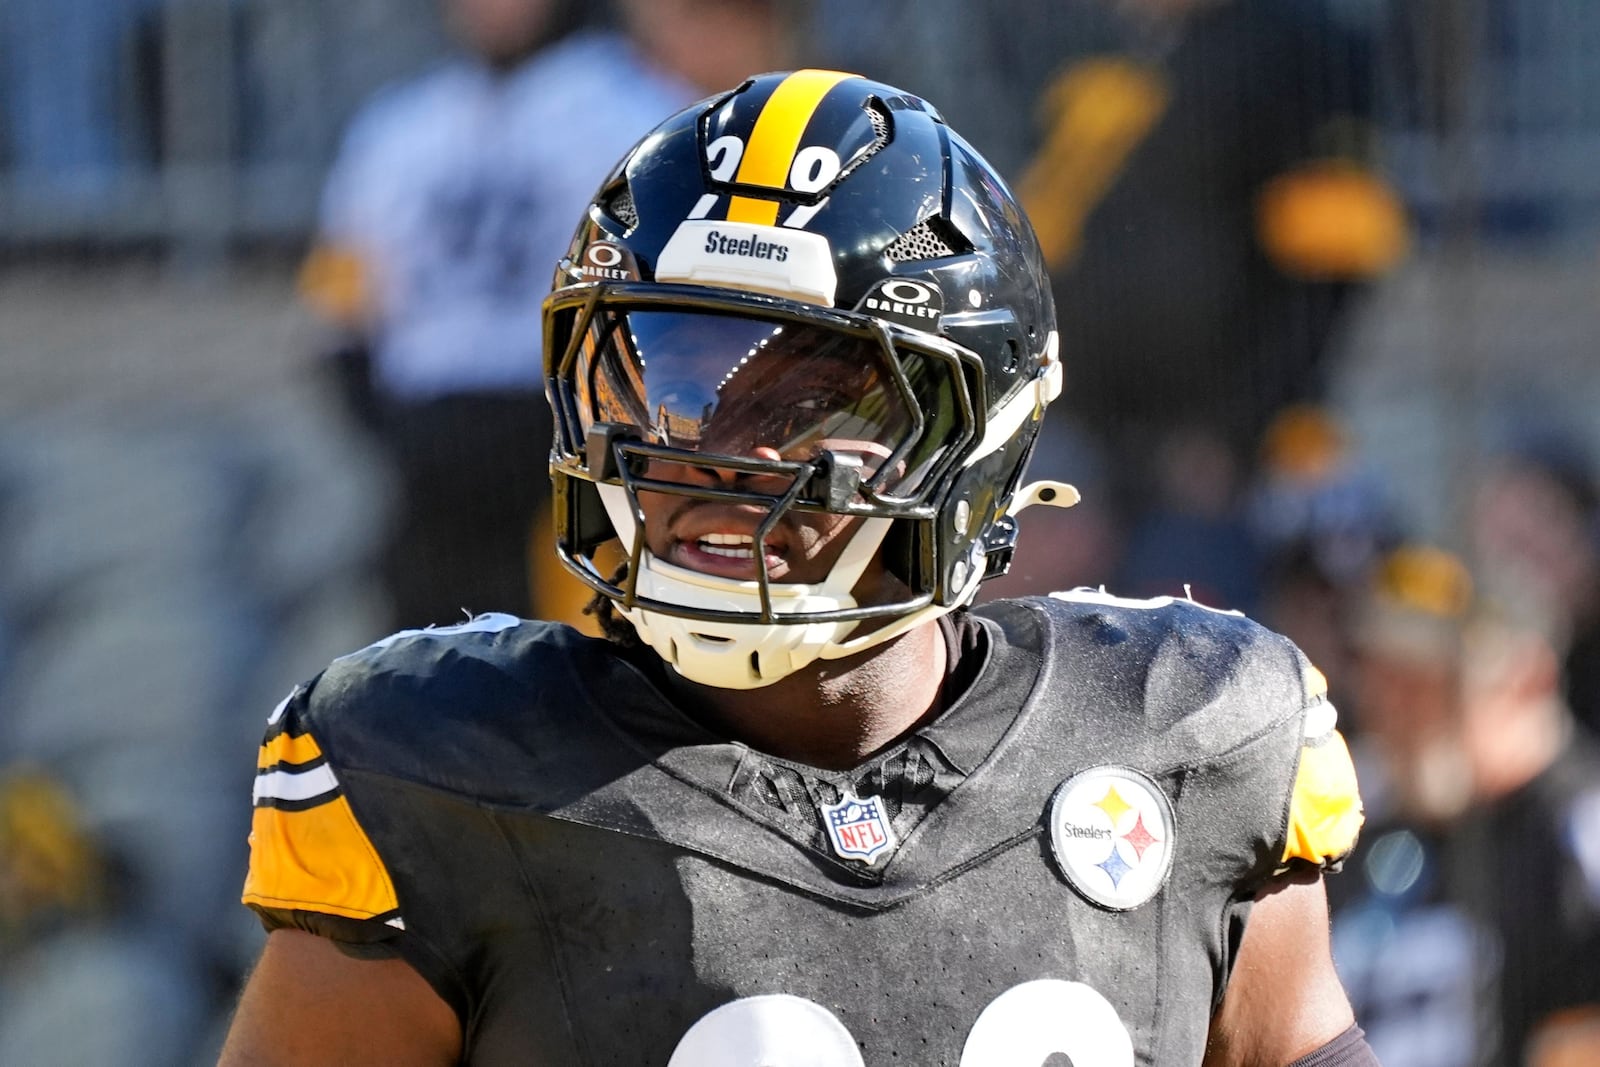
column 1028, row 1023
column 812, row 170
column 1022, row 1027
column 770, row 1031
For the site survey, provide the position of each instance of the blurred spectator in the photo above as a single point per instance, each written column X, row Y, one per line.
column 1320, row 521
column 65, row 66
column 1473, row 934
column 1192, row 537
column 1202, row 190
column 1199, row 174
column 442, row 222
column 50, row 869
column 1535, row 530
column 158, row 580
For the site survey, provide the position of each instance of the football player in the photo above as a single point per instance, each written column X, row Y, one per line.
column 803, row 805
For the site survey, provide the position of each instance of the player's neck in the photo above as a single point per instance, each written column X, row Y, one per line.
column 835, row 714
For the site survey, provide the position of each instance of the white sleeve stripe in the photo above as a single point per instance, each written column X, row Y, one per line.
column 1321, row 718
column 277, row 712
column 284, row 785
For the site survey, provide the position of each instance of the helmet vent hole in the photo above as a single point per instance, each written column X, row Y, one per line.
column 880, row 123
column 932, row 238
column 620, row 207
column 1013, row 354
column 878, row 116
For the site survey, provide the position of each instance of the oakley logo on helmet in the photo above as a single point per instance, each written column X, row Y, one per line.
column 604, row 261
column 906, row 302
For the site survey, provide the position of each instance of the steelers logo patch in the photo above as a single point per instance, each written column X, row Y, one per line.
column 1111, row 832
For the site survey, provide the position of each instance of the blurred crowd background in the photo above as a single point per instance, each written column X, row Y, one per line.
column 1328, row 274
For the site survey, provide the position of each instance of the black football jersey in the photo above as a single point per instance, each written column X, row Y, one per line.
column 1058, row 865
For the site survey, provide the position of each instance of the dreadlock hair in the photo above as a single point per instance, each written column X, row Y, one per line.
column 613, row 627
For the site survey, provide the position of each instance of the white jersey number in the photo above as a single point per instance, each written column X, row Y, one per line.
column 1026, row 1024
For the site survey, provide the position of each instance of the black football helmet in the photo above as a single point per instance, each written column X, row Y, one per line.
column 813, row 262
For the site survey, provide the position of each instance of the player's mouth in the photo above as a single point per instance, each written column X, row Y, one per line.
column 728, row 554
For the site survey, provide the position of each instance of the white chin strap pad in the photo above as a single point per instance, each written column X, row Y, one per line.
column 732, row 655
column 741, row 655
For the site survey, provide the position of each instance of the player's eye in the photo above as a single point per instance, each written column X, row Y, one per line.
column 828, row 402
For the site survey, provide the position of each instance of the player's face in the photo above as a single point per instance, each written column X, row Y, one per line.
column 719, row 538
column 776, row 405
column 499, row 30
column 719, row 389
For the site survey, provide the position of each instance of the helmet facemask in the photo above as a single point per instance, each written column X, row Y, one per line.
column 779, row 420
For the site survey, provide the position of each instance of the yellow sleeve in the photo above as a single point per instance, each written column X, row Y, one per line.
column 334, row 282
column 1325, row 813
column 307, row 850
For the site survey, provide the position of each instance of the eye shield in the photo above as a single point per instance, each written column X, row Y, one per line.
column 745, row 379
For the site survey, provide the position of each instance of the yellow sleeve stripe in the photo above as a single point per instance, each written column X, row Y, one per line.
column 317, row 859
column 1325, row 810
column 334, row 282
column 286, row 749
column 775, row 139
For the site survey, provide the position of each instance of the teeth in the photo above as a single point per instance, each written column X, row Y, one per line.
column 727, row 539
column 728, row 545
column 729, row 553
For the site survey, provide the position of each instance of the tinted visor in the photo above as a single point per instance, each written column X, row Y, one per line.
column 731, row 385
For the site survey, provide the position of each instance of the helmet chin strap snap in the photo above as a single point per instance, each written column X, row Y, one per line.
column 1050, row 494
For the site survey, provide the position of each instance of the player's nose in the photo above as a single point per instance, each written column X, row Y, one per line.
column 756, row 481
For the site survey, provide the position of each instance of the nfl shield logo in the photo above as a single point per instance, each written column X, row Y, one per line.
column 858, row 828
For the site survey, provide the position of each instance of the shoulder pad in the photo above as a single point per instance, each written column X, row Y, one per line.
column 1212, row 682
column 1206, row 680
column 307, row 851
column 378, row 709
column 498, row 708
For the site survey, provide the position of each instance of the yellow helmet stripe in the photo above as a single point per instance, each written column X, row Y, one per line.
column 776, row 138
